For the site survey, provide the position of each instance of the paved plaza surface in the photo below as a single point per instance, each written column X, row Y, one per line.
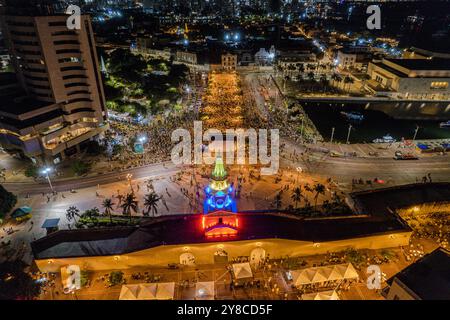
column 269, row 281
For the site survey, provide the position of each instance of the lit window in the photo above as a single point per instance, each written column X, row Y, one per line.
column 439, row 85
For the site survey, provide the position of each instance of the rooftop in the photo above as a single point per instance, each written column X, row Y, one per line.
column 378, row 202
column 375, row 215
column 429, row 277
column 184, row 229
column 422, row 64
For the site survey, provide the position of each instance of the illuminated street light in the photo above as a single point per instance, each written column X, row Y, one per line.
column 46, row 171
column 348, row 134
column 415, row 133
column 129, row 176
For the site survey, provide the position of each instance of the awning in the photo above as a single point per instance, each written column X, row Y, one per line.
column 347, row 271
column 323, row 274
column 205, row 290
column 300, row 277
column 242, row 270
column 165, row 291
column 147, row 291
column 129, row 292
column 50, row 223
column 324, row 295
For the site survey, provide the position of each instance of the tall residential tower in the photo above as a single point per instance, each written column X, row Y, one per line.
column 62, row 103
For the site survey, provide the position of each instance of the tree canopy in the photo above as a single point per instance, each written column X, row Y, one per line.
column 7, row 201
column 15, row 283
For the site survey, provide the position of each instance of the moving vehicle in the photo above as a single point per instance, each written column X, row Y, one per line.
column 386, row 139
column 445, row 124
column 408, row 156
column 355, row 116
column 335, row 154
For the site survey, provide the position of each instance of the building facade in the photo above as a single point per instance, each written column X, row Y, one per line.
column 421, row 79
column 229, row 62
column 63, row 102
column 186, row 57
column 353, row 59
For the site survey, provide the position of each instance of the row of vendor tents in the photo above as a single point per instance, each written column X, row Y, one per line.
column 164, row 291
column 318, row 275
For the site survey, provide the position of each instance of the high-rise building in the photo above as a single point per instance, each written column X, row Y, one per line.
column 62, row 104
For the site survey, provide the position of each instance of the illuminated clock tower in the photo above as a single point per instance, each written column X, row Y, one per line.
column 219, row 209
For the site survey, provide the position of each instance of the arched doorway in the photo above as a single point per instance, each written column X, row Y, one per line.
column 187, row 259
column 257, row 256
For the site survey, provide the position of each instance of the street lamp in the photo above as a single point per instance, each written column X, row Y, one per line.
column 332, row 135
column 299, row 170
column 348, row 135
column 415, row 133
column 142, row 139
column 129, row 176
column 46, row 171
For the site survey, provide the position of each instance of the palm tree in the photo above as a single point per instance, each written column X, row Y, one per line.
column 308, row 188
column 129, row 203
column 348, row 81
column 151, row 203
column 323, row 81
column 297, row 196
column 71, row 213
column 278, row 200
column 339, row 80
column 319, row 189
column 3, row 174
column 108, row 206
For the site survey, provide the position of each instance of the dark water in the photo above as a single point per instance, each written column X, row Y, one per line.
column 375, row 125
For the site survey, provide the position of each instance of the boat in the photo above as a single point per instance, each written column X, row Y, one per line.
column 353, row 115
column 386, row 139
column 444, row 124
column 408, row 156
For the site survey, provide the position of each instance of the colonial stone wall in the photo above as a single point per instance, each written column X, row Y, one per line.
column 204, row 252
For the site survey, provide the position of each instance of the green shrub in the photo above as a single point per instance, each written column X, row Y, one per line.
column 94, row 148
column 15, row 283
column 80, row 167
column 7, row 201
column 84, row 278
column 31, row 172
column 116, row 277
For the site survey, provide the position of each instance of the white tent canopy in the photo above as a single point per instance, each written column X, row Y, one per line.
column 324, row 295
column 129, row 292
column 323, row 274
column 300, row 277
column 165, row 291
column 242, row 270
column 205, row 290
column 148, row 291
